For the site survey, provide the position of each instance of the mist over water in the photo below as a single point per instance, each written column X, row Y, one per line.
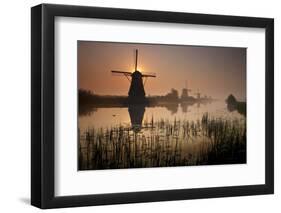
column 108, row 117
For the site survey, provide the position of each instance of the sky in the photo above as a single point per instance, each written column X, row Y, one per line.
column 213, row 71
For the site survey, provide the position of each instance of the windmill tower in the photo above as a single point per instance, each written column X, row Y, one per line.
column 185, row 92
column 137, row 80
column 198, row 94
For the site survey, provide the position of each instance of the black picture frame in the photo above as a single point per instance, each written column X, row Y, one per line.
column 43, row 105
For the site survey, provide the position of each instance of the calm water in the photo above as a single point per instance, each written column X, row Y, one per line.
column 109, row 117
column 140, row 137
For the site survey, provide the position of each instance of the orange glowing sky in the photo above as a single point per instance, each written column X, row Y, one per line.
column 214, row 71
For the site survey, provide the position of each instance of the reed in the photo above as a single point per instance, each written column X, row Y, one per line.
column 163, row 143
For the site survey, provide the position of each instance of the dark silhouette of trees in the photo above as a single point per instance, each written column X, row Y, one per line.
column 173, row 95
column 233, row 104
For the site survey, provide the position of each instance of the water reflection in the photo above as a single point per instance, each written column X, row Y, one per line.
column 134, row 116
column 138, row 136
column 136, row 113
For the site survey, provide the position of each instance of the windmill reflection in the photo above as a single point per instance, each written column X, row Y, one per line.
column 184, row 107
column 136, row 113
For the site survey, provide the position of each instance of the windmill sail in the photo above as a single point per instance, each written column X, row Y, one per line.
column 153, row 75
column 136, row 92
column 121, row 72
column 136, row 64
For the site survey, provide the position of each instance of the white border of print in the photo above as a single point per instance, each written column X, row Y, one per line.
column 69, row 181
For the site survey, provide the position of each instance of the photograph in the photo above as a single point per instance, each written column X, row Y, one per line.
column 160, row 105
column 140, row 105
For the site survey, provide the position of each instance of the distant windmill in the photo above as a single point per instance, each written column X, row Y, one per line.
column 198, row 94
column 136, row 92
column 185, row 91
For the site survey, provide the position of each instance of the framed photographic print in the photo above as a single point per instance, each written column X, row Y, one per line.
column 139, row 106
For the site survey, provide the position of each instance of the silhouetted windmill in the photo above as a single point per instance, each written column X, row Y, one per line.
column 136, row 92
column 198, row 94
column 185, row 92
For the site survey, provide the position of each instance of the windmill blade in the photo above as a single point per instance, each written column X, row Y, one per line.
column 146, row 74
column 120, row 72
column 136, row 64
column 125, row 73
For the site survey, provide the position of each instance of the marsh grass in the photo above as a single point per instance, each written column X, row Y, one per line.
column 164, row 143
